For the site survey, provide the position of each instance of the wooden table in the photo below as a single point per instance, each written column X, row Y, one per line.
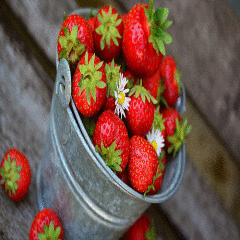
column 206, row 49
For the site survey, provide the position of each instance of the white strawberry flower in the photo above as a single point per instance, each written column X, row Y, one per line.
column 122, row 101
column 155, row 137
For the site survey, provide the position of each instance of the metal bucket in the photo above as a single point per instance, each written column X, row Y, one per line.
column 73, row 179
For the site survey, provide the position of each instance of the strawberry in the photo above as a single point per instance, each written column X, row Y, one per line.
column 108, row 33
column 176, row 130
column 15, row 174
column 91, row 21
column 89, row 85
column 140, row 113
column 124, row 19
column 142, row 229
column 74, row 39
column 143, row 38
column 123, row 176
column 171, row 80
column 111, row 140
column 153, row 85
column 112, row 76
column 141, row 165
column 46, row 225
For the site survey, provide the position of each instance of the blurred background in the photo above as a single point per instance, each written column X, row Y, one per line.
column 206, row 45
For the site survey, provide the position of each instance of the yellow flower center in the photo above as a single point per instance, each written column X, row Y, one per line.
column 154, row 144
column 121, row 99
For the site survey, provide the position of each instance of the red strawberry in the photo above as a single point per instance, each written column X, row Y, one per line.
column 91, row 21
column 143, row 38
column 124, row 19
column 171, row 80
column 142, row 229
column 74, row 39
column 153, row 85
column 15, row 174
column 112, row 76
column 89, row 85
column 140, row 113
column 123, row 176
column 141, row 165
column 111, row 140
column 176, row 130
column 108, row 33
column 46, row 225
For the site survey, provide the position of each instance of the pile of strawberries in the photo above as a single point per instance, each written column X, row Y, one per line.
column 125, row 89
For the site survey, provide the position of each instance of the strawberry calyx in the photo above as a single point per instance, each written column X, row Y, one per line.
column 49, row 232
column 112, row 76
column 10, row 175
column 158, row 121
column 91, row 78
column 150, row 234
column 108, row 28
column 110, row 156
column 72, row 47
column 158, row 24
column 139, row 90
column 177, row 77
column 179, row 137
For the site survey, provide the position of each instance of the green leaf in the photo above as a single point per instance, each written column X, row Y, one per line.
column 74, row 33
column 161, row 46
column 101, row 84
column 166, row 24
column 161, row 15
column 99, row 65
column 167, row 38
column 66, row 32
column 63, row 41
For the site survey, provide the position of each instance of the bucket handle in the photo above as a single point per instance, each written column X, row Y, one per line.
column 63, row 84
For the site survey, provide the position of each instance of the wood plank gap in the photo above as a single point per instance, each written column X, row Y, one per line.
column 11, row 20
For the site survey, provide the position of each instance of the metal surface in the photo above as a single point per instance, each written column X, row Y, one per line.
column 73, row 179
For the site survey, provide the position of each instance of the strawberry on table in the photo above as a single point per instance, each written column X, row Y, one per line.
column 176, row 130
column 142, row 163
column 108, row 33
column 15, row 174
column 74, row 39
column 142, row 229
column 89, row 85
column 140, row 113
column 171, row 80
column 46, row 225
column 111, row 140
column 144, row 36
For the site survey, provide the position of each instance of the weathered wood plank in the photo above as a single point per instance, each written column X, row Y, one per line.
column 24, row 108
column 43, row 20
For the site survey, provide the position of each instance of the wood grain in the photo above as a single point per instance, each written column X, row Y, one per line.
column 24, row 108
